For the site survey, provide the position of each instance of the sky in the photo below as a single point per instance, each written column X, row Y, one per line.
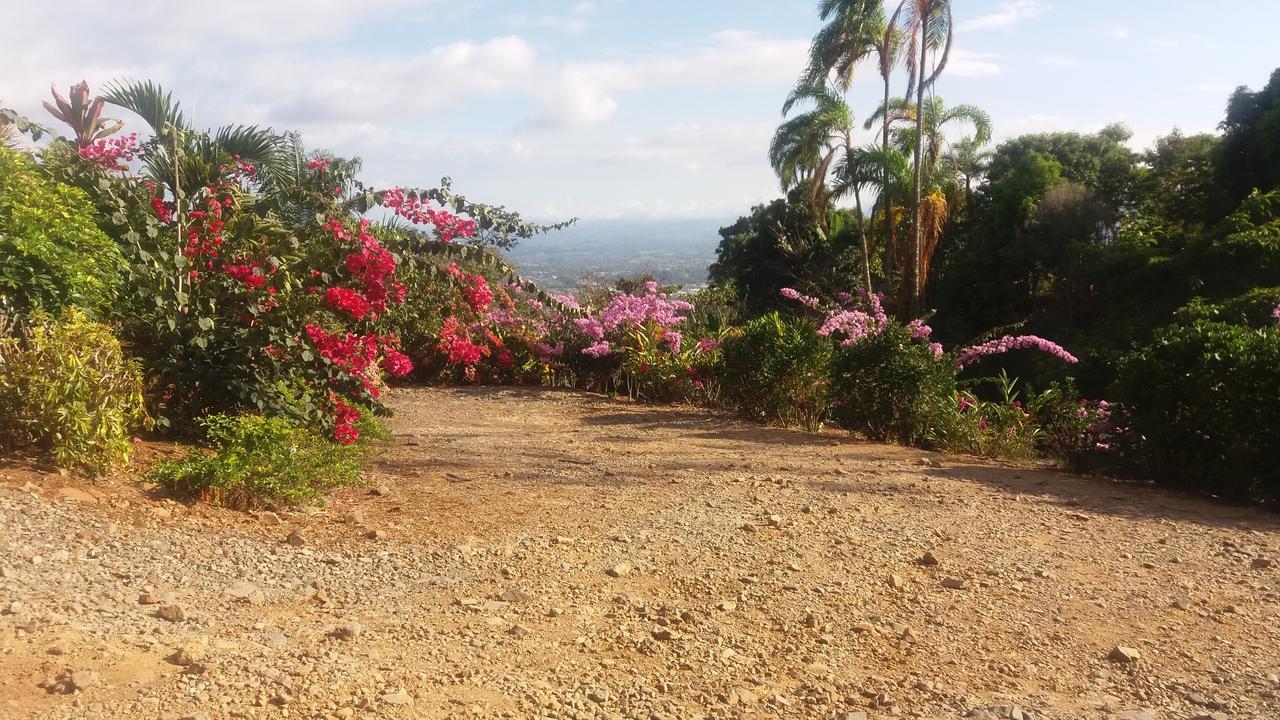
column 613, row 108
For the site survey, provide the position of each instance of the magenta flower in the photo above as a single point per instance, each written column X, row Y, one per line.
column 1002, row 345
column 598, row 350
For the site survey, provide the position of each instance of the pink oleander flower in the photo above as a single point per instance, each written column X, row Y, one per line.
column 706, row 345
column 1276, row 314
column 970, row 355
column 672, row 339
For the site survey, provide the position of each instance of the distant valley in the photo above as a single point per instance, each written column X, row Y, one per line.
column 674, row 251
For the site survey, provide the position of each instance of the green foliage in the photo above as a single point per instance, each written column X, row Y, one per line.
column 1253, row 309
column 1179, row 184
column 55, row 256
column 888, row 386
column 1249, row 158
column 781, row 245
column 776, row 370
column 67, row 389
column 261, row 462
column 1203, row 411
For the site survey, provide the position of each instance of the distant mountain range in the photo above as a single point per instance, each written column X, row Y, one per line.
column 674, row 251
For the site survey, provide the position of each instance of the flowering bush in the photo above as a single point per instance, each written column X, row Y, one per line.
column 635, row 344
column 1085, row 434
column 891, row 386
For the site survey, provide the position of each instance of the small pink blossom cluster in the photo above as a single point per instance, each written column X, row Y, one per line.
column 856, row 323
column 1276, row 314
column 111, row 153
column 411, row 207
column 970, row 355
column 920, row 331
column 806, row 300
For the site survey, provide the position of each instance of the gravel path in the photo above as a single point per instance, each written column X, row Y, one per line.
column 543, row 554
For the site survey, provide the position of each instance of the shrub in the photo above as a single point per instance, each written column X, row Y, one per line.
column 54, row 254
column 261, row 462
column 1201, row 402
column 1085, row 435
column 67, row 389
column 1002, row 428
column 776, row 370
column 890, row 386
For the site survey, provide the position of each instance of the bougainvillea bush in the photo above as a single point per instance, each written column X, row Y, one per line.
column 635, row 344
column 249, row 313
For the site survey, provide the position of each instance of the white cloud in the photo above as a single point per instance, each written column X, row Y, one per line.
column 1118, row 33
column 1163, row 44
column 964, row 63
column 1009, row 14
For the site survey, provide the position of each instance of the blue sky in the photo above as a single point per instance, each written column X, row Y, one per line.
column 615, row 108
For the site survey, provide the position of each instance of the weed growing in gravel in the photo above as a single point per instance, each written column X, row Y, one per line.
column 264, row 462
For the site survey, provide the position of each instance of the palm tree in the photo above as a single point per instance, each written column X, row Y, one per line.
column 190, row 159
column 967, row 162
column 869, row 166
column 8, row 133
column 806, row 148
column 855, row 30
column 933, row 123
column 927, row 25
column 938, row 177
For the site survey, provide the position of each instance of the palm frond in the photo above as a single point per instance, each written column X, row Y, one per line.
column 148, row 101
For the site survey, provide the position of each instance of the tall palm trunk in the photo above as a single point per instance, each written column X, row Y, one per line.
column 862, row 235
column 917, row 229
column 886, row 195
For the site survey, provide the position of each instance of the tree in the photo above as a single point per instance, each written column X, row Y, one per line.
column 854, row 30
column 781, row 245
column 1250, row 155
column 806, row 147
column 928, row 26
column 968, row 162
column 938, row 180
column 1099, row 161
column 1178, row 183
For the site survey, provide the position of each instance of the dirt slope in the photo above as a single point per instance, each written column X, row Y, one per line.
column 542, row 554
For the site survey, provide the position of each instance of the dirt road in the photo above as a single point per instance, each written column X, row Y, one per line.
column 543, row 554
